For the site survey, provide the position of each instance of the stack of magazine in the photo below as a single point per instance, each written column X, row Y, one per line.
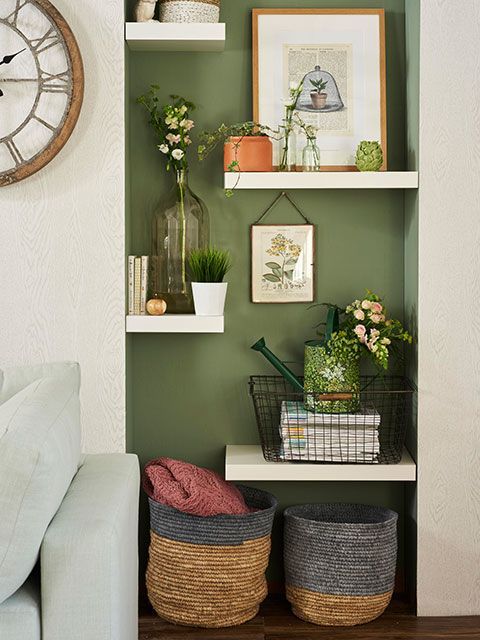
column 329, row 437
column 137, row 285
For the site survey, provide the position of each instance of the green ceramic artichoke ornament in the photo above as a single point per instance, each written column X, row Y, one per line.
column 369, row 156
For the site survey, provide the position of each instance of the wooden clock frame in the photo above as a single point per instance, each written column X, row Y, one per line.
column 78, row 83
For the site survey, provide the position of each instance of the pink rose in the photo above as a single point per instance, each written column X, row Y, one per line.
column 376, row 317
column 359, row 315
column 360, row 330
column 366, row 304
column 376, row 307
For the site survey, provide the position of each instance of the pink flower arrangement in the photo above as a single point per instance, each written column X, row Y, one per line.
column 367, row 321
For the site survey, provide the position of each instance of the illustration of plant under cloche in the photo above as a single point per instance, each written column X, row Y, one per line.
column 320, row 92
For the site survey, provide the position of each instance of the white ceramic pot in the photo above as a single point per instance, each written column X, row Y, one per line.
column 190, row 10
column 209, row 298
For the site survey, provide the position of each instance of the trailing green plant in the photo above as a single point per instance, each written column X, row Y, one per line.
column 210, row 140
column 319, row 85
column 209, row 265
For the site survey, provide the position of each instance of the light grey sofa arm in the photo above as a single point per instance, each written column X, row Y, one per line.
column 89, row 556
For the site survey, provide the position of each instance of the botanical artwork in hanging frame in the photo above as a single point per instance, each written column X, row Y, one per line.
column 283, row 259
column 339, row 54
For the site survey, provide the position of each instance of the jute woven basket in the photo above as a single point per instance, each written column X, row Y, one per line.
column 189, row 10
column 209, row 572
column 340, row 562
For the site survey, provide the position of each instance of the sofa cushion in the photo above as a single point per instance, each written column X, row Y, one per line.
column 14, row 379
column 39, row 455
column 20, row 614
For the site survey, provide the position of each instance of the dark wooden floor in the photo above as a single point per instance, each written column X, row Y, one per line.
column 275, row 622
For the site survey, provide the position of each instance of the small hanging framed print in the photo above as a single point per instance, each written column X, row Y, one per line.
column 283, row 263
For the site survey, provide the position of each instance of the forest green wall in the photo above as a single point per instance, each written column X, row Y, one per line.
column 412, row 48
column 188, row 393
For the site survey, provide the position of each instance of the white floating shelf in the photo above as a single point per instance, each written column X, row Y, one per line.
column 173, row 323
column 246, row 462
column 323, row 180
column 173, row 36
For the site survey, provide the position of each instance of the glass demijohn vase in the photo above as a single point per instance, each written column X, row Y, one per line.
column 180, row 225
column 311, row 156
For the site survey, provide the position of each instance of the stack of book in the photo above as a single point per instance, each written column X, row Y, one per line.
column 137, row 285
column 329, row 437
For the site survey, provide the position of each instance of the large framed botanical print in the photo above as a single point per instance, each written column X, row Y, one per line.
column 338, row 57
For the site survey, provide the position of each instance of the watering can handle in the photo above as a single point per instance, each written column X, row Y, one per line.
column 333, row 323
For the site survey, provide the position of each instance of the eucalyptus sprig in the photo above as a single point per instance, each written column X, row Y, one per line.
column 209, row 265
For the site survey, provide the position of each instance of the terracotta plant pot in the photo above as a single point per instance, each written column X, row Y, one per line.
column 319, row 100
column 253, row 153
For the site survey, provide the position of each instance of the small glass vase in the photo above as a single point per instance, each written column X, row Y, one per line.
column 180, row 225
column 288, row 150
column 311, row 156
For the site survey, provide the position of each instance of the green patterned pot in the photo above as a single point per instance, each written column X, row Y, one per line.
column 329, row 373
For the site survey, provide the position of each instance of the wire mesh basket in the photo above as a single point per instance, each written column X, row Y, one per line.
column 374, row 434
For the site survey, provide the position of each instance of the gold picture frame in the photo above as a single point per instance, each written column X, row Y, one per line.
column 363, row 116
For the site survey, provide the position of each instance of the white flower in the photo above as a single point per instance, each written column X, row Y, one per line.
column 334, row 373
column 366, row 304
column 386, row 341
column 183, row 110
column 359, row 315
column 177, row 154
column 163, row 148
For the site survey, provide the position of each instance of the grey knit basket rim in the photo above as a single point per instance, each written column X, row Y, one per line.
column 271, row 503
column 301, row 513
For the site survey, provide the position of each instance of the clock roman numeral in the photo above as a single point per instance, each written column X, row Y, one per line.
column 13, row 17
column 55, row 83
column 44, row 122
column 50, row 39
column 14, row 152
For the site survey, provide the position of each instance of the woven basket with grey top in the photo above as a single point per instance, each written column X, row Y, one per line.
column 340, row 562
column 210, row 571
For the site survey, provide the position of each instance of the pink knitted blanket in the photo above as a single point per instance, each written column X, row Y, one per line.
column 191, row 489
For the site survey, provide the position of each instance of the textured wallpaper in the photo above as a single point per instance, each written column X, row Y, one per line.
column 449, row 303
column 62, row 239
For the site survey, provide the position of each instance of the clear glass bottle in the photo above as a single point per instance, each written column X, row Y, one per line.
column 180, row 225
column 288, row 148
column 311, row 156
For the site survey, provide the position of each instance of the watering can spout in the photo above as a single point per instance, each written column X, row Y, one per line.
column 259, row 345
column 278, row 364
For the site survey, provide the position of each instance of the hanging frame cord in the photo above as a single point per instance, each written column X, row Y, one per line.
column 281, row 195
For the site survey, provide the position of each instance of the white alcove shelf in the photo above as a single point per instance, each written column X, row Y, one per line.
column 173, row 36
column 285, row 180
column 246, row 463
column 175, row 323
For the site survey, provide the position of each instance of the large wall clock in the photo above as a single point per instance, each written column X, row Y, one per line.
column 41, row 86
